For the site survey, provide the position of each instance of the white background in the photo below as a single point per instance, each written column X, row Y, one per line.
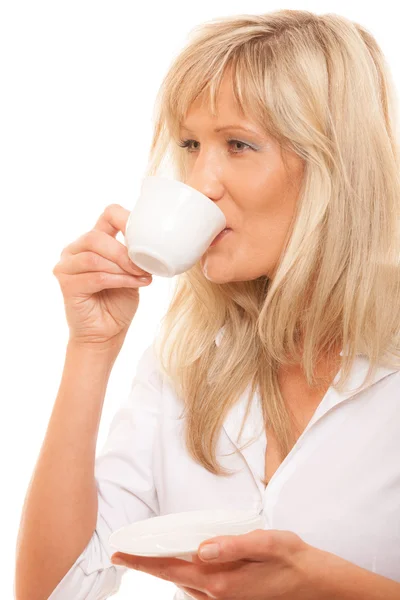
column 78, row 80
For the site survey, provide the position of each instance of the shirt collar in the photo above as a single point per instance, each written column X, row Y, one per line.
column 332, row 398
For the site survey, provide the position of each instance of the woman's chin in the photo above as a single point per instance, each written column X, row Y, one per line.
column 216, row 269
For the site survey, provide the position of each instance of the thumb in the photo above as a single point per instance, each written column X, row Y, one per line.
column 257, row 545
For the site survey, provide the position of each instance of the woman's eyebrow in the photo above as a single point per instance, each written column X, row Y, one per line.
column 218, row 129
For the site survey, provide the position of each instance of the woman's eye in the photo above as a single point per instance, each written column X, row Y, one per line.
column 187, row 144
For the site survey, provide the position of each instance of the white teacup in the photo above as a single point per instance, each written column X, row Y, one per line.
column 171, row 226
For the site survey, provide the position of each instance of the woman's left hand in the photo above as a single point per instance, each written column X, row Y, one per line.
column 259, row 565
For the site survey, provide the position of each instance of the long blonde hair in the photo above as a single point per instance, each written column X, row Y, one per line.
column 318, row 84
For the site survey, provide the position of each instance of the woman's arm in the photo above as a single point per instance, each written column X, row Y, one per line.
column 343, row 580
column 60, row 508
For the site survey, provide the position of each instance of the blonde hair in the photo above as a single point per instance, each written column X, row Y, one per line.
column 318, row 84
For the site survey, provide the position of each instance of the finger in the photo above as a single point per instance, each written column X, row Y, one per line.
column 90, row 283
column 196, row 559
column 196, row 594
column 106, row 246
column 87, row 262
column 257, row 545
column 180, row 572
column 112, row 220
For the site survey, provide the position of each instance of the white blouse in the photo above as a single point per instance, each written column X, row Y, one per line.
column 338, row 488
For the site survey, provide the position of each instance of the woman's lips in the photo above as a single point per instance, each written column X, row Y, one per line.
column 221, row 235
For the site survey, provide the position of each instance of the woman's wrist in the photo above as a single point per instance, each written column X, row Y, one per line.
column 339, row 579
column 107, row 350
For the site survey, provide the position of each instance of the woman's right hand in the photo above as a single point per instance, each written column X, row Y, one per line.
column 100, row 283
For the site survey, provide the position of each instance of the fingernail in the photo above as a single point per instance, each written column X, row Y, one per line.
column 117, row 561
column 144, row 278
column 209, row 551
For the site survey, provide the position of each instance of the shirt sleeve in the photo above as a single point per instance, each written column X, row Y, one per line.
column 125, row 485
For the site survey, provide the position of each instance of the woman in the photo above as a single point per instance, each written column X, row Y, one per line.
column 280, row 349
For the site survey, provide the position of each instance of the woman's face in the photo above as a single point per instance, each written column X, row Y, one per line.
column 248, row 183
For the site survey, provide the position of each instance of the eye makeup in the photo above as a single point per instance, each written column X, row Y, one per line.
column 186, row 143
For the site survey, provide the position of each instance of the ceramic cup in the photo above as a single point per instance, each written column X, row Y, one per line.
column 171, row 226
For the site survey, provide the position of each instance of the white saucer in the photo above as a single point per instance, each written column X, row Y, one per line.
column 180, row 534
